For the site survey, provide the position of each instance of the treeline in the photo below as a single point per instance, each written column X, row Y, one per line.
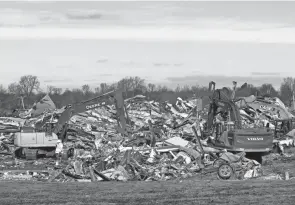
column 26, row 91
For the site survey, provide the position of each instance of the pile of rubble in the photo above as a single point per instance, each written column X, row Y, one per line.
column 258, row 111
column 160, row 145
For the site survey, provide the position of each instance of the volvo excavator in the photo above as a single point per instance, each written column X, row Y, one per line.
column 31, row 142
column 227, row 132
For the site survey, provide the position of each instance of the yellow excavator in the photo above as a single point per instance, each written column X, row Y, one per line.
column 30, row 142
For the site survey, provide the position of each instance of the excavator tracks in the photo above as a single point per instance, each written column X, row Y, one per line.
column 31, row 154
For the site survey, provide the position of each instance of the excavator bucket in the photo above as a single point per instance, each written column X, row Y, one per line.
column 244, row 86
column 233, row 95
column 211, row 86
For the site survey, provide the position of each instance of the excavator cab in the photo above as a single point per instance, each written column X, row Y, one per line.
column 48, row 128
column 31, row 143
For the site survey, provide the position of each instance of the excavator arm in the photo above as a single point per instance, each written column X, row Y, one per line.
column 221, row 100
column 110, row 98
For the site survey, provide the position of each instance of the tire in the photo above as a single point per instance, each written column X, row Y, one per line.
column 225, row 171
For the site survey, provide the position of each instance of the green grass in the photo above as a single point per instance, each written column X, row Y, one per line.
column 170, row 192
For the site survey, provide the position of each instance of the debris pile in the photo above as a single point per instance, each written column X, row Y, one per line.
column 258, row 111
column 161, row 143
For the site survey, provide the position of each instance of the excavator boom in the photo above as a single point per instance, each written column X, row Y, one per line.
column 221, row 100
column 110, row 98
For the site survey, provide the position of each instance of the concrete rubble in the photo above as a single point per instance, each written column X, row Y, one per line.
column 161, row 144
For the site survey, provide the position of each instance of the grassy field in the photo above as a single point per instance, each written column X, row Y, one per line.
column 172, row 192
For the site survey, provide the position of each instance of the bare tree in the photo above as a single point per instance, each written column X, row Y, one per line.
column 57, row 91
column 287, row 90
column 86, row 89
column 50, row 89
column 185, row 88
column 246, row 90
column 97, row 90
column 103, row 87
column 195, row 89
column 268, row 89
column 2, row 89
column 112, row 86
column 67, row 91
column 126, row 85
column 14, row 88
column 77, row 90
column 159, row 88
column 137, row 82
column 28, row 84
column 162, row 88
column 151, row 87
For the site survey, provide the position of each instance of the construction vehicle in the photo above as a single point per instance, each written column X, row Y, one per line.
column 31, row 142
column 228, row 133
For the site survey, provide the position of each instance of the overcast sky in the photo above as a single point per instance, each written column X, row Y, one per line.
column 69, row 44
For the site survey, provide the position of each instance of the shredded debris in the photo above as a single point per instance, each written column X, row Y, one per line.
column 162, row 142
